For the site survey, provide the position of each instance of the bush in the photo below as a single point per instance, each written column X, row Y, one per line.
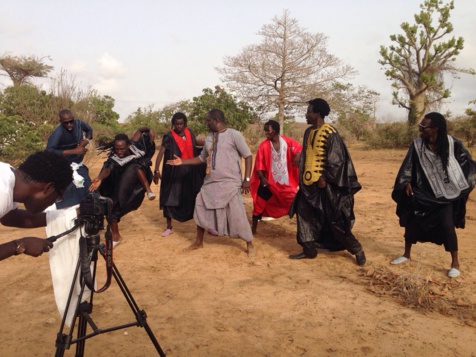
column 391, row 136
column 464, row 128
column 18, row 138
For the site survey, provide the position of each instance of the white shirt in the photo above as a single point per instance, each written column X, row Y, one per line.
column 7, row 184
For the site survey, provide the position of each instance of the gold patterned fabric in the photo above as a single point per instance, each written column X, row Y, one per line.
column 316, row 153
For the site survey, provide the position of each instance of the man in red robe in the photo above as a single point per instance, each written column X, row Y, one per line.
column 275, row 179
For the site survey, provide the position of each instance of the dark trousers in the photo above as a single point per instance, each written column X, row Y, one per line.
column 440, row 230
column 312, row 223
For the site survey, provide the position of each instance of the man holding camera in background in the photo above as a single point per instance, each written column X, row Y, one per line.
column 37, row 183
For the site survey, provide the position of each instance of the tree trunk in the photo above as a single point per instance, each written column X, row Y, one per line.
column 281, row 116
column 418, row 108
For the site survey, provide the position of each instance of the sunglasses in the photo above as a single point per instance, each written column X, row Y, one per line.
column 65, row 123
column 423, row 127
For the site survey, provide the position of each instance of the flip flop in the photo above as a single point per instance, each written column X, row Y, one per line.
column 399, row 260
column 453, row 273
column 213, row 232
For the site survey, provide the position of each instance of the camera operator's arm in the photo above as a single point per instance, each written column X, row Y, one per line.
column 105, row 172
column 29, row 245
column 23, row 219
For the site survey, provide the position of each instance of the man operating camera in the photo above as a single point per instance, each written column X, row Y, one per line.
column 37, row 183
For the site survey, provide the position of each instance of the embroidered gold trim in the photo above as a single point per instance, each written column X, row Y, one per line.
column 316, row 153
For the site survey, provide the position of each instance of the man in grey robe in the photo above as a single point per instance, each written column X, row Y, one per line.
column 219, row 204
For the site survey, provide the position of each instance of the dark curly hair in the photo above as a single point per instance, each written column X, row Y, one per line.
column 179, row 115
column 320, row 106
column 46, row 167
column 122, row 137
column 274, row 125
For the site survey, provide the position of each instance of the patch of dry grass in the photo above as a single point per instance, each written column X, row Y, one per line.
column 419, row 290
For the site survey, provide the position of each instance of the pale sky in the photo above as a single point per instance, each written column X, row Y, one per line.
column 159, row 52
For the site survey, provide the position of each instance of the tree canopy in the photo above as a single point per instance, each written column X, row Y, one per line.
column 420, row 57
column 288, row 67
column 237, row 113
column 21, row 69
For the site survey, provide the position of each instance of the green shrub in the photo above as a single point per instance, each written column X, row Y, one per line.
column 391, row 136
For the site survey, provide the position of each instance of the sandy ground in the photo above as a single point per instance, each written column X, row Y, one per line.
column 218, row 302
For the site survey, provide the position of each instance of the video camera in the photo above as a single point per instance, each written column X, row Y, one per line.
column 93, row 208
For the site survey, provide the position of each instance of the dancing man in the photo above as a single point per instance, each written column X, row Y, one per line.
column 219, row 205
column 179, row 184
column 324, row 203
column 126, row 176
column 431, row 189
column 275, row 177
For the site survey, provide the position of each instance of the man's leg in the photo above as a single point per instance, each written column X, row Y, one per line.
column 408, row 249
column 454, row 271
column 251, row 249
column 143, row 181
column 308, row 229
column 116, row 237
column 254, row 224
column 199, row 239
column 342, row 233
column 454, row 260
column 450, row 241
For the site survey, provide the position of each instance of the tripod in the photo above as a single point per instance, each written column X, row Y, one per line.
column 84, row 309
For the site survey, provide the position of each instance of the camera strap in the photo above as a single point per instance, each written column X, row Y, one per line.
column 86, row 262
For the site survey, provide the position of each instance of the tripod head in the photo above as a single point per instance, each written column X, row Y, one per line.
column 93, row 208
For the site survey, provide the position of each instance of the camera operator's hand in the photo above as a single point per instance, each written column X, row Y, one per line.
column 95, row 184
column 36, row 246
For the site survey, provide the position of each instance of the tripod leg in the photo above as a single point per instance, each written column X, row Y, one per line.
column 153, row 339
column 63, row 341
column 85, row 308
column 140, row 315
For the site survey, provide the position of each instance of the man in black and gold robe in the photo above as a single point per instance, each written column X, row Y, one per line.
column 324, row 204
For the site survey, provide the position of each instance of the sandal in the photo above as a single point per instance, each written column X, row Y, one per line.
column 167, row 232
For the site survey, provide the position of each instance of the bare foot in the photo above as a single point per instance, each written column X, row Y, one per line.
column 194, row 246
column 116, row 237
column 251, row 249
